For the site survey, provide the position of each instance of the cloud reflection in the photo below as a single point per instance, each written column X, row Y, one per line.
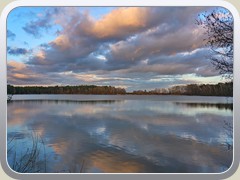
column 126, row 136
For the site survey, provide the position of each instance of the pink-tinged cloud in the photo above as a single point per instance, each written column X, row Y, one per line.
column 121, row 22
column 20, row 73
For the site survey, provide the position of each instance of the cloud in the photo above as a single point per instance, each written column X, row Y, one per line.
column 62, row 42
column 120, row 23
column 127, row 21
column 193, row 62
column 151, row 44
column 11, row 35
column 134, row 34
column 17, row 51
column 19, row 73
column 128, row 47
column 44, row 22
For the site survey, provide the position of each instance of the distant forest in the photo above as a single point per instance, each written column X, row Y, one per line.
column 82, row 89
column 220, row 89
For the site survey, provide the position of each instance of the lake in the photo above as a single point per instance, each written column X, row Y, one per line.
column 121, row 133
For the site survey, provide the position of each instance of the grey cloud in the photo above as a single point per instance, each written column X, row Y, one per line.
column 35, row 27
column 194, row 62
column 44, row 45
column 147, row 46
column 17, row 51
column 11, row 35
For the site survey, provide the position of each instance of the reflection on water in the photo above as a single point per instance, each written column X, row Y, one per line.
column 208, row 105
column 126, row 135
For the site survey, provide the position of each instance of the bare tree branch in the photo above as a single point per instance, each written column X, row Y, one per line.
column 218, row 27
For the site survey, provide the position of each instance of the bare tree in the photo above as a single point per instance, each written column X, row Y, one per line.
column 218, row 27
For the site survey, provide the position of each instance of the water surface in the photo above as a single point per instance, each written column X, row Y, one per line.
column 124, row 133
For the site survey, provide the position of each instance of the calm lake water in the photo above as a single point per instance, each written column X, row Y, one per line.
column 122, row 133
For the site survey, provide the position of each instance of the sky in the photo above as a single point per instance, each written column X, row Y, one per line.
column 136, row 48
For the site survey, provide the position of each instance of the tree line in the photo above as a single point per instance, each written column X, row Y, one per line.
column 82, row 89
column 220, row 89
